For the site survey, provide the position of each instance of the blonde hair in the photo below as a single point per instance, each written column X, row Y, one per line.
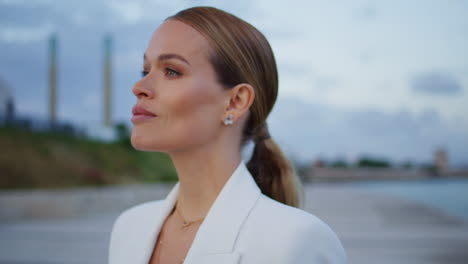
column 242, row 54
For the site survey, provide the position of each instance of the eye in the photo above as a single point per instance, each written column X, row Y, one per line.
column 171, row 73
column 144, row 73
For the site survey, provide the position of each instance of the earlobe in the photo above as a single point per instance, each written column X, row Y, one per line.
column 240, row 99
column 228, row 120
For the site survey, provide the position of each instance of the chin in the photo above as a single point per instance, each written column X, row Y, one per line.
column 145, row 143
column 138, row 142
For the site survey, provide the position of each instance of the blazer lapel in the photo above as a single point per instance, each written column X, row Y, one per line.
column 216, row 236
column 152, row 222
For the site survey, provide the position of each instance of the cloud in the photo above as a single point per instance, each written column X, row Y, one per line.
column 25, row 34
column 366, row 57
column 22, row 15
column 131, row 12
column 367, row 13
column 326, row 82
column 435, row 83
column 293, row 68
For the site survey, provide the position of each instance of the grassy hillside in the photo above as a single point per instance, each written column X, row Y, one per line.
column 47, row 160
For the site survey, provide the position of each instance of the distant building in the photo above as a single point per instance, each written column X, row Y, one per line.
column 318, row 163
column 440, row 161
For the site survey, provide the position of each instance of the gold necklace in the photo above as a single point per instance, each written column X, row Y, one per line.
column 186, row 223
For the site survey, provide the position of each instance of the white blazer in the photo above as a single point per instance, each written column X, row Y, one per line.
column 242, row 226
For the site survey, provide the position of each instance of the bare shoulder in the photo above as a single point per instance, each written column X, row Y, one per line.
column 295, row 235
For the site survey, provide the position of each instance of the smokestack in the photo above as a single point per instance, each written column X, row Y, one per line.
column 53, row 78
column 108, row 81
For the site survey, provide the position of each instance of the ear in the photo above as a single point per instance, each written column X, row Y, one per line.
column 240, row 98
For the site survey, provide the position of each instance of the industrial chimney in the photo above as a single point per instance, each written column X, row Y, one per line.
column 108, row 81
column 53, row 79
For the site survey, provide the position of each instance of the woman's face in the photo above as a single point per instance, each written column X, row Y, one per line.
column 180, row 104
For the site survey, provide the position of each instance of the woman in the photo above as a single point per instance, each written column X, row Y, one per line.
column 209, row 83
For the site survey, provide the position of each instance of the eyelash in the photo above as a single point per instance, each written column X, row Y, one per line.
column 144, row 73
column 172, row 72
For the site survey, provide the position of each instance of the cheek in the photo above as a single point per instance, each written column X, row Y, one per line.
column 197, row 108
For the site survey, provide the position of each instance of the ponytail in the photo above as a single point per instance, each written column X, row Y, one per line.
column 273, row 172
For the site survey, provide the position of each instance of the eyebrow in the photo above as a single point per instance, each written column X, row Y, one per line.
column 168, row 56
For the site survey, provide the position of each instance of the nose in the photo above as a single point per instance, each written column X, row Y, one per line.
column 143, row 89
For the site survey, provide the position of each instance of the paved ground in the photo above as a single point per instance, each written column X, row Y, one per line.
column 381, row 229
column 373, row 229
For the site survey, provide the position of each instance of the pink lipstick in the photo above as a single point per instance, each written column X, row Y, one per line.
column 140, row 114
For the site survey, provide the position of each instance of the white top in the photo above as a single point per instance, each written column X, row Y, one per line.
column 242, row 226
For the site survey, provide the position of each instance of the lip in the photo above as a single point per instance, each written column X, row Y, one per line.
column 141, row 114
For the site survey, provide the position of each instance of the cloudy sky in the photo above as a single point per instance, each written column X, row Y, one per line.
column 382, row 78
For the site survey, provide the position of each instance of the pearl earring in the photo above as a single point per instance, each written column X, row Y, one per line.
column 228, row 120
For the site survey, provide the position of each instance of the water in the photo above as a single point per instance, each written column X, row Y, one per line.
column 449, row 195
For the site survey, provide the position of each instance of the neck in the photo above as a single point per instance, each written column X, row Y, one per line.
column 202, row 174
